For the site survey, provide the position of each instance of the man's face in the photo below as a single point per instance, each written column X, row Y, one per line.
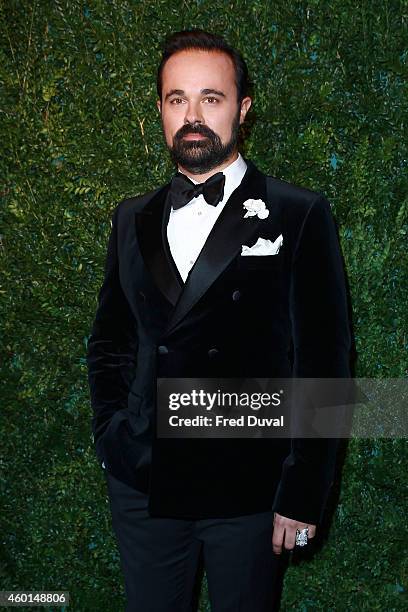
column 199, row 109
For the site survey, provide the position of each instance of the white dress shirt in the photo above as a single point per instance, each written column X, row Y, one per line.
column 189, row 226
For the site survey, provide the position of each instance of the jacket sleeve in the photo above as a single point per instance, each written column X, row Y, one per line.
column 321, row 340
column 112, row 345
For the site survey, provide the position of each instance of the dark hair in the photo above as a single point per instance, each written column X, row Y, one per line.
column 199, row 39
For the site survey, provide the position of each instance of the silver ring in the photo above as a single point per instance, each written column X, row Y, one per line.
column 301, row 536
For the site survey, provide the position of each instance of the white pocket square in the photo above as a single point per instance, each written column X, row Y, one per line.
column 263, row 247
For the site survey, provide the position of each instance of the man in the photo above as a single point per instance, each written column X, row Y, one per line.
column 179, row 299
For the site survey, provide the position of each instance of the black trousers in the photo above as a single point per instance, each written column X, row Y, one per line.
column 161, row 558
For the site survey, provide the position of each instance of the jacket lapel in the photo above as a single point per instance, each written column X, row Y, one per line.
column 223, row 244
column 151, row 229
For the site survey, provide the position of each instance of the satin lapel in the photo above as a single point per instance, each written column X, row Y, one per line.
column 224, row 242
column 151, row 230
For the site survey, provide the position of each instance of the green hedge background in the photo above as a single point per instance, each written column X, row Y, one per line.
column 79, row 131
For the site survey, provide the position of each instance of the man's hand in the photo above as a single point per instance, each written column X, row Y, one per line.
column 284, row 532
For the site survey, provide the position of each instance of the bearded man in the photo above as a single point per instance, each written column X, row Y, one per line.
column 221, row 272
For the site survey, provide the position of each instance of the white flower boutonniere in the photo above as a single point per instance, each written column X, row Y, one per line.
column 255, row 207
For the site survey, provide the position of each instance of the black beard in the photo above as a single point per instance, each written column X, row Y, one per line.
column 201, row 156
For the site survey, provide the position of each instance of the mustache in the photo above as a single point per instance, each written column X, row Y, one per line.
column 188, row 129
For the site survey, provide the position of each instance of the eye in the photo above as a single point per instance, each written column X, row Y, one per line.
column 212, row 98
column 176, row 100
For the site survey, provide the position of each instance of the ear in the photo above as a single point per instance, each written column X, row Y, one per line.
column 158, row 104
column 245, row 106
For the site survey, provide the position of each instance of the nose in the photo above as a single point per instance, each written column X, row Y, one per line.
column 193, row 113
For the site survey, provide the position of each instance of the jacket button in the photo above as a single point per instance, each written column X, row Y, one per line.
column 236, row 295
column 162, row 349
column 212, row 352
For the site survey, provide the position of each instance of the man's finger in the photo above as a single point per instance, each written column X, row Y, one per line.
column 277, row 539
column 290, row 537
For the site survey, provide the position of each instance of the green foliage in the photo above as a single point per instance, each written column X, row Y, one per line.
column 79, row 131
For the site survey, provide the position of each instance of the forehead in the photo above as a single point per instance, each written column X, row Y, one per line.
column 196, row 69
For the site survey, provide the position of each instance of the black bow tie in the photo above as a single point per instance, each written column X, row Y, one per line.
column 182, row 189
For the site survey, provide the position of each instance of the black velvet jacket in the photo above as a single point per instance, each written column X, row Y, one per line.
column 282, row 315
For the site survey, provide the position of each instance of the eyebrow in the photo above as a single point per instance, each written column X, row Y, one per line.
column 181, row 92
